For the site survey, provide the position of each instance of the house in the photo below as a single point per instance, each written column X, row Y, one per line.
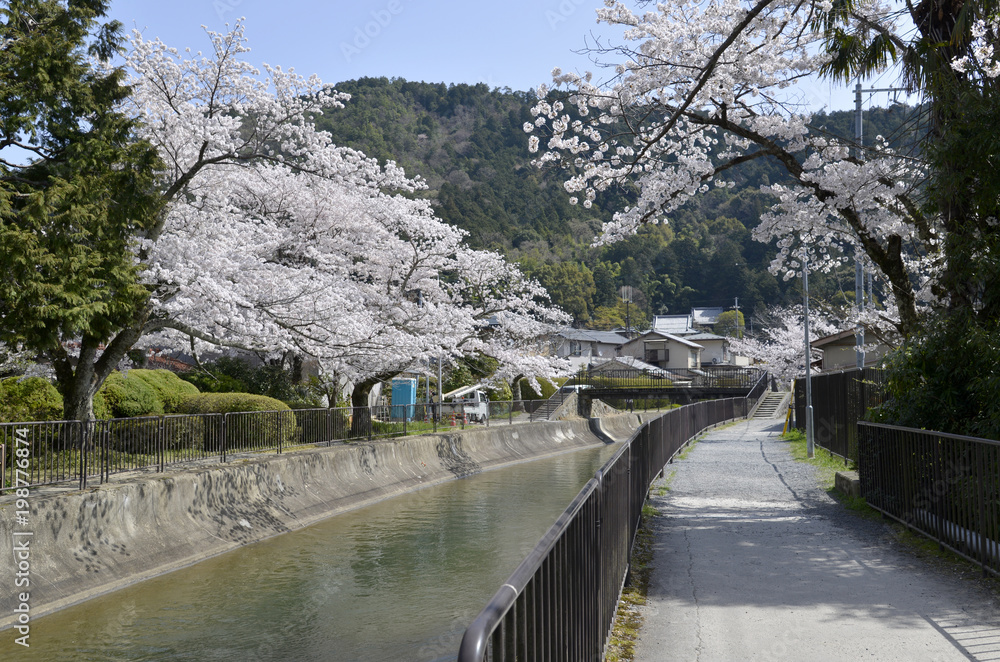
column 664, row 350
column 581, row 346
column 839, row 351
column 716, row 350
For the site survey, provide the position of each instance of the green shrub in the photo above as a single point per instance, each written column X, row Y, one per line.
column 548, row 388
column 235, row 375
column 220, row 383
column 130, row 396
column 101, row 410
column 501, row 393
column 29, row 399
column 170, row 388
column 246, row 431
column 224, row 403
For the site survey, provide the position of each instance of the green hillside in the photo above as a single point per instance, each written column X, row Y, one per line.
column 467, row 143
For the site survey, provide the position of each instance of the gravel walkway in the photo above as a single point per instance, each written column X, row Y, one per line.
column 754, row 561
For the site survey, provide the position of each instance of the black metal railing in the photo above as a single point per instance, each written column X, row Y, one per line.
column 840, row 399
column 759, row 388
column 560, row 602
column 667, row 378
column 945, row 486
column 60, row 452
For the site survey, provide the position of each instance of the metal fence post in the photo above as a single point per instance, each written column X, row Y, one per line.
column 105, row 455
column 161, row 442
column 83, row 453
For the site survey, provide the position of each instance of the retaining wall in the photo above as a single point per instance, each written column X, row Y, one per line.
column 90, row 542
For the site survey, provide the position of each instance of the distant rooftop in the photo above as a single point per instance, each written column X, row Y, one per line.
column 706, row 316
column 627, row 361
column 673, row 324
column 695, row 337
column 683, row 340
column 587, row 335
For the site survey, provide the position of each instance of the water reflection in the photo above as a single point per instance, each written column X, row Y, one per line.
column 399, row 580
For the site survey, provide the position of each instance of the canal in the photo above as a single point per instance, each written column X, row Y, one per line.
column 399, row 580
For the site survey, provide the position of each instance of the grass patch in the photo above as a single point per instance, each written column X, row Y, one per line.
column 826, row 462
column 683, row 455
column 664, row 487
column 625, row 631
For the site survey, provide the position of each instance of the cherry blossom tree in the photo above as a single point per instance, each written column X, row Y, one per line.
column 702, row 87
column 780, row 348
column 273, row 239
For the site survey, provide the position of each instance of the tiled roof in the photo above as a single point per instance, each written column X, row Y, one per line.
column 695, row 337
column 683, row 340
column 675, row 324
column 706, row 315
column 587, row 335
column 628, row 362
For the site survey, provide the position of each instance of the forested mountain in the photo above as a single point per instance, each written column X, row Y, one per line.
column 467, row 142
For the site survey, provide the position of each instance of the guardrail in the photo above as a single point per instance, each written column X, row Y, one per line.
column 560, row 602
column 78, row 452
column 943, row 485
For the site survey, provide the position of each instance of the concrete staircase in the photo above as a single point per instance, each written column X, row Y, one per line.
column 545, row 411
column 774, row 405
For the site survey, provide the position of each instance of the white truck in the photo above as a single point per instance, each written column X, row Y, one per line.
column 473, row 403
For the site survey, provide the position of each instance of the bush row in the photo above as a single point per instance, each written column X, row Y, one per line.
column 139, row 393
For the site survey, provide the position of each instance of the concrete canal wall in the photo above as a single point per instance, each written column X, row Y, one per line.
column 85, row 543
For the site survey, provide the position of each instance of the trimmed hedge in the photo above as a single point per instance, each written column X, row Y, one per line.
column 224, row 403
column 171, row 389
column 29, row 399
column 130, row 396
column 245, row 431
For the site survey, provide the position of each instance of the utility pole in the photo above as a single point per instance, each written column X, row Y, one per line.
column 739, row 327
column 626, row 294
column 859, row 272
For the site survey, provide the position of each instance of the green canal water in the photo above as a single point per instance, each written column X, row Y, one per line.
column 399, row 580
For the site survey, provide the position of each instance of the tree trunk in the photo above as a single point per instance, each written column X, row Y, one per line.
column 80, row 380
column 361, row 419
column 361, row 422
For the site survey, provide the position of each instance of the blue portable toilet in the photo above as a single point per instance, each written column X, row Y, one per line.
column 404, row 399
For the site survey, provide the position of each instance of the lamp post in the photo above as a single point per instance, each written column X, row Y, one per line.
column 810, row 438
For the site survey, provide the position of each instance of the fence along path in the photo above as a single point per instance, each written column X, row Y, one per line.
column 754, row 561
column 72, row 453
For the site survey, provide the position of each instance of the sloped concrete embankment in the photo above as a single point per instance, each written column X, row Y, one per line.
column 98, row 540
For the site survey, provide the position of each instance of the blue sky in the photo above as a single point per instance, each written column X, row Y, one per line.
column 511, row 44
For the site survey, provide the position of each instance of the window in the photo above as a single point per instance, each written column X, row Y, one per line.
column 655, row 356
